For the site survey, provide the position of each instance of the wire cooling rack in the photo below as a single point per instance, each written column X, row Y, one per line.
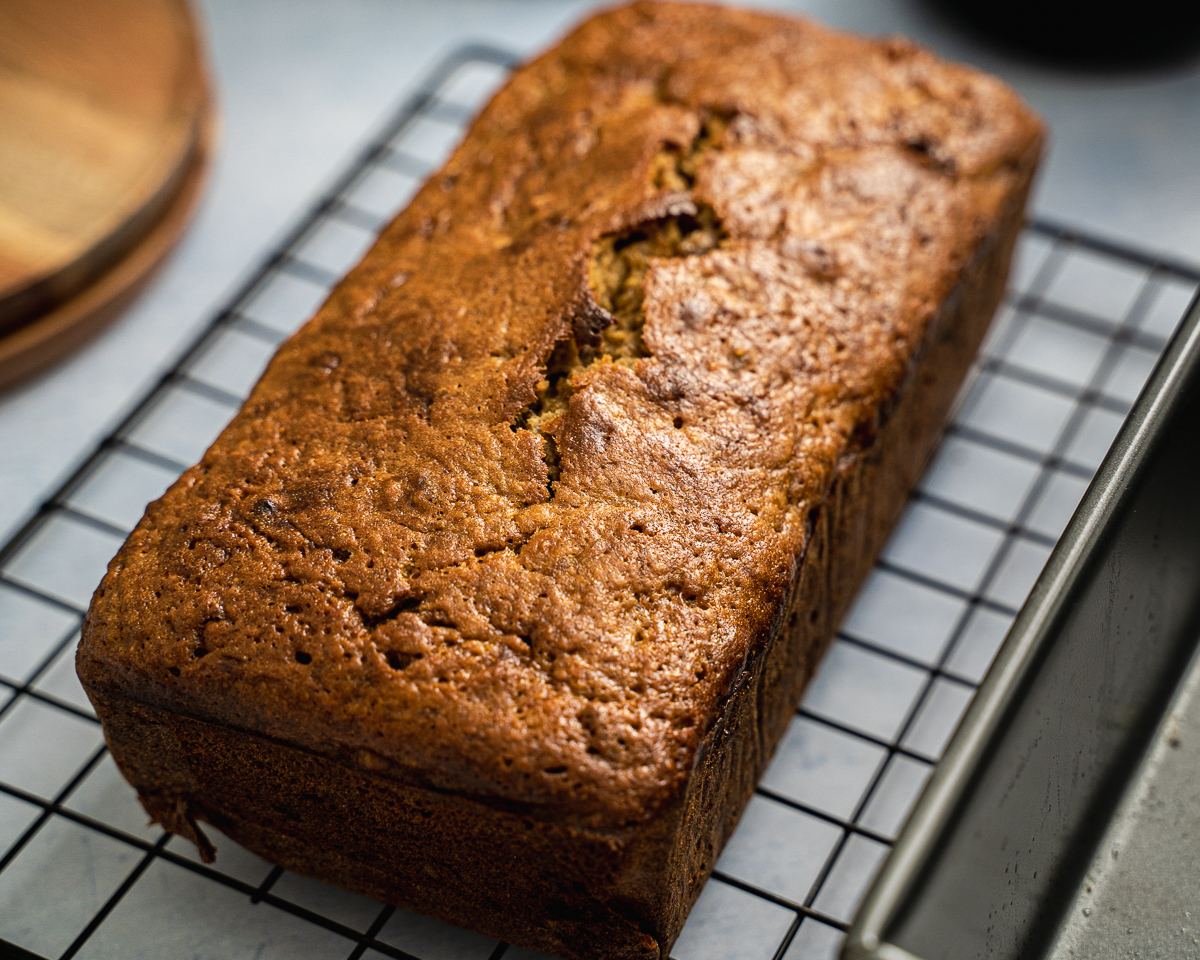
column 81, row 874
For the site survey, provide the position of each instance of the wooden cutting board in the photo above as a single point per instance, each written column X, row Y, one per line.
column 104, row 136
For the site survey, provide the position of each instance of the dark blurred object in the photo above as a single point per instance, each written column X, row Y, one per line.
column 1130, row 36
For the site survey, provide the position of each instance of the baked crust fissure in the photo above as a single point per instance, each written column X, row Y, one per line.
column 617, row 273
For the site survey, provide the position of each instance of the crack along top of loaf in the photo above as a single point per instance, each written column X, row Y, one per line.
column 510, row 514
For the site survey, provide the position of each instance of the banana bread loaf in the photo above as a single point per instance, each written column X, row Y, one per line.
column 495, row 597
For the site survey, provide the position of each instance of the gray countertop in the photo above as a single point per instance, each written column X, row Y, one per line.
column 302, row 84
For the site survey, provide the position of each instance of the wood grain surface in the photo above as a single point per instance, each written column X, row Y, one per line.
column 104, row 132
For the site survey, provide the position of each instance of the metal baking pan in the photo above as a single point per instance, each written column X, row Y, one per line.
column 1080, row 745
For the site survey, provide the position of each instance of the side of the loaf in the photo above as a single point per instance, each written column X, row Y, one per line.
column 533, row 534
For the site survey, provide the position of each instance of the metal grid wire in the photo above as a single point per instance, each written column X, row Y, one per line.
column 81, row 874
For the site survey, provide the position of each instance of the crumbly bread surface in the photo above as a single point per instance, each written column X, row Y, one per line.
column 512, row 516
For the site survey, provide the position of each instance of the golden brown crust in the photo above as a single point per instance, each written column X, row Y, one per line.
column 513, row 515
column 539, row 882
